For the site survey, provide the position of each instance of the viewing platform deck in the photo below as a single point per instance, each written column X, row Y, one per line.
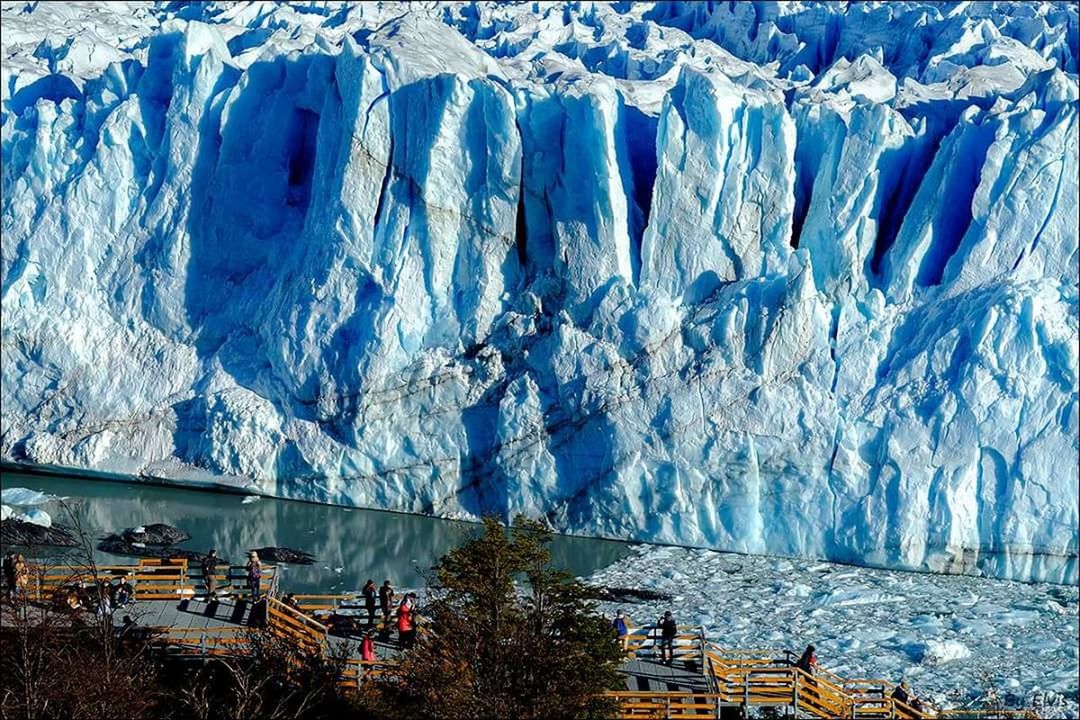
column 703, row 680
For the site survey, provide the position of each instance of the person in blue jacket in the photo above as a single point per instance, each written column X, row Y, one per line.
column 619, row 623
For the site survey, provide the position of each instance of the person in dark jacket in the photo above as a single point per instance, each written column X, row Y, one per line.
column 209, row 571
column 124, row 592
column 254, row 575
column 807, row 662
column 386, row 601
column 668, row 631
column 370, row 592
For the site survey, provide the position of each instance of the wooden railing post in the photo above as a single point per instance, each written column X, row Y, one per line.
column 795, row 694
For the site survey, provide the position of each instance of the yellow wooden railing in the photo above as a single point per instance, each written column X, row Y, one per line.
column 200, row 641
column 759, row 678
column 671, row 705
column 645, row 639
column 358, row 671
column 317, row 604
column 644, row 705
column 288, row 622
column 151, row 579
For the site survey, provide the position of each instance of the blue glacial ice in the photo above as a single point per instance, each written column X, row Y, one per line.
column 788, row 278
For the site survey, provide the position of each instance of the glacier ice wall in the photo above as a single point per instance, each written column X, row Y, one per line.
column 795, row 278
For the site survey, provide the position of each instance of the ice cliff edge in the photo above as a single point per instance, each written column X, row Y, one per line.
column 793, row 278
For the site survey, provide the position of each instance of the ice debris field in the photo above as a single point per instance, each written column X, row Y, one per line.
column 958, row 641
column 790, row 278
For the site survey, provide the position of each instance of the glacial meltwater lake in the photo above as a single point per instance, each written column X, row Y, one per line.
column 350, row 545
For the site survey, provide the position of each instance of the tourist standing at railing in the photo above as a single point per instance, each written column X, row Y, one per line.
column 386, row 600
column 406, row 622
column 807, row 662
column 619, row 623
column 209, row 572
column 668, row 631
column 254, row 575
column 902, row 693
column 370, row 592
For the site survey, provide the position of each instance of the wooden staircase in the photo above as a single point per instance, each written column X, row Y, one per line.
column 740, row 680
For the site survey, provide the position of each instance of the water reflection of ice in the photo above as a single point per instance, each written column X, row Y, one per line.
column 350, row 545
column 951, row 637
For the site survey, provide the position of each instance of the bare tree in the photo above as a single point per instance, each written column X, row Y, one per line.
column 66, row 660
column 267, row 677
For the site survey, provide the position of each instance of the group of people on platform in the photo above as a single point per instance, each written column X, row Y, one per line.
column 667, row 630
column 102, row 596
column 104, row 599
column 381, row 598
column 377, row 600
column 253, row 572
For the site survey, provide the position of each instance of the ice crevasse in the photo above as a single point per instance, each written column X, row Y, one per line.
column 791, row 278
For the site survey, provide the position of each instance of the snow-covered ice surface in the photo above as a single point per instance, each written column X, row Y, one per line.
column 794, row 278
column 959, row 641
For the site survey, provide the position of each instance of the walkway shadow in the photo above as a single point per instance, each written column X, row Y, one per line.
column 231, row 611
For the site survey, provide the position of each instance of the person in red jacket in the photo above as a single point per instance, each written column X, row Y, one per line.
column 367, row 647
column 406, row 624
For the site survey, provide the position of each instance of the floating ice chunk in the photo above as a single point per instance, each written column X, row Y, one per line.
column 249, row 499
column 938, row 652
column 847, row 598
column 24, row 496
column 37, row 516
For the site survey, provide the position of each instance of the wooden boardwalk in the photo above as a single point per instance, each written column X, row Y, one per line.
column 703, row 681
column 191, row 613
column 650, row 675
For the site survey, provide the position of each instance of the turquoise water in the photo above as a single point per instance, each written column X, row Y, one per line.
column 350, row 545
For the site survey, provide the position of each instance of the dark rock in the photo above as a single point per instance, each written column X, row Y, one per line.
column 117, row 545
column 284, row 555
column 17, row 532
column 156, row 534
